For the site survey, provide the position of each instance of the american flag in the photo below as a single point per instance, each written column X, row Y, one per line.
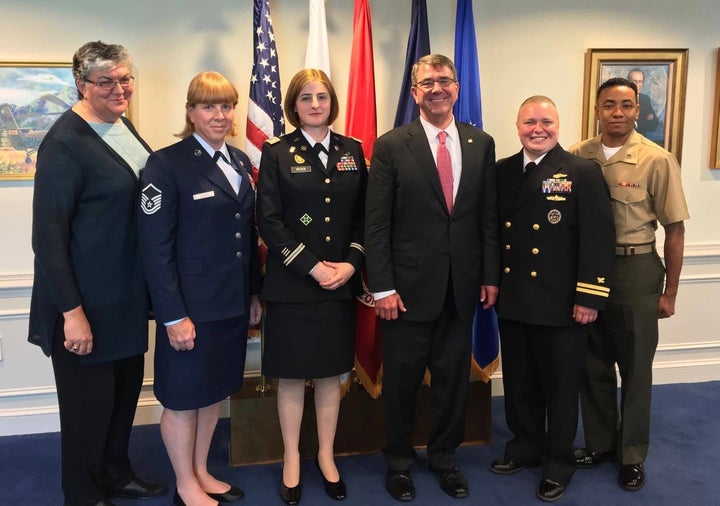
column 265, row 116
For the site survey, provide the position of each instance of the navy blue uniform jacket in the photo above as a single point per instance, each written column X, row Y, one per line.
column 197, row 236
column 557, row 238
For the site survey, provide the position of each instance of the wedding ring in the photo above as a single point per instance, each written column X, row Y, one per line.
column 74, row 348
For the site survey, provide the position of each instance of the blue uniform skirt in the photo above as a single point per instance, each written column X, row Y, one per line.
column 208, row 373
column 309, row 340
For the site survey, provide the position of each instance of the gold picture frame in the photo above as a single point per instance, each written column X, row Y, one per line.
column 715, row 139
column 32, row 96
column 664, row 72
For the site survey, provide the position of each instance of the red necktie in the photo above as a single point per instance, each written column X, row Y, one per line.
column 444, row 167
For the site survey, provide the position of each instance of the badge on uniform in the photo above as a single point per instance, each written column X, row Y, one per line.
column 346, row 163
column 150, row 199
column 556, row 185
column 554, row 216
column 305, row 219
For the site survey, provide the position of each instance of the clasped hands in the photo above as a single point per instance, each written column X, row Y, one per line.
column 332, row 275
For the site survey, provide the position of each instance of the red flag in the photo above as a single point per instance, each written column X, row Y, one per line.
column 361, row 123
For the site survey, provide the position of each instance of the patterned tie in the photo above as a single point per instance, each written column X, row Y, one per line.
column 444, row 167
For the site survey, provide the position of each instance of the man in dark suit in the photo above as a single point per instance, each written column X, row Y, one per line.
column 557, row 242
column 431, row 242
column 647, row 119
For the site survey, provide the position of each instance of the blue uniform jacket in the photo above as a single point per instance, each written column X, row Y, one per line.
column 198, row 238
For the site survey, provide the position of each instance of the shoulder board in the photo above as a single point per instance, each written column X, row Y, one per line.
column 356, row 139
column 274, row 140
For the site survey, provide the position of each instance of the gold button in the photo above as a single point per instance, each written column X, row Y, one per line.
column 507, row 269
column 327, row 180
column 533, row 274
column 535, row 251
column 327, row 219
column 327, row 238
column 507, row 246
column 536, row 227
column 327, row 200
column 508, row 224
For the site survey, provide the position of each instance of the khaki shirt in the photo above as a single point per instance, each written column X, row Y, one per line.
column 645, row 186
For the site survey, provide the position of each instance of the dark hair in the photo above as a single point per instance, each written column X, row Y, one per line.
column 434, row 60
column 297, row 83
column 615, row 82
column 94, row 56
column 636, row 69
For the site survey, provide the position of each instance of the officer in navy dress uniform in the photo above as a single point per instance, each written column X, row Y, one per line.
column 311, row 196
column 557, row 242
column 199, row 247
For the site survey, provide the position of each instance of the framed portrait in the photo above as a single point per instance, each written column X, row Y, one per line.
column 32, row 97
column 661, row 78
column 715, row 140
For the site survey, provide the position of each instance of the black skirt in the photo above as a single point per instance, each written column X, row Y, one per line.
column 309, row 340
column 208, row 373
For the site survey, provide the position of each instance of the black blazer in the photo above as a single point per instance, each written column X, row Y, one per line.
column 413, row 245
column 557, row 238
column 85, row 240
column 308, row 213
column 198, row 237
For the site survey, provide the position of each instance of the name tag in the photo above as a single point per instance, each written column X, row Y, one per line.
column 300, row 169
column 203, row 195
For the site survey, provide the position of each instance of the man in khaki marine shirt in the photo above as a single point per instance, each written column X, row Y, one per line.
column 645, row 188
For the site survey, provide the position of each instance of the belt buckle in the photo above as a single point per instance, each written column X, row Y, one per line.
column 630, row 250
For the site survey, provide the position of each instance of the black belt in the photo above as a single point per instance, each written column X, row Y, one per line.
column 634, row 249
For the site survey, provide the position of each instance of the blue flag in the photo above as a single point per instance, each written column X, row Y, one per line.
column 485, row 345
column 418, row 45
column 468, row 107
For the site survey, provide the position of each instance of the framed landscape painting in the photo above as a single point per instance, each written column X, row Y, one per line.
column 32, row 97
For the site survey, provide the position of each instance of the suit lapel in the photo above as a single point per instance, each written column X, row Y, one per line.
column 420, row 148
column 246, row 183
column 300, row 147
column 208, row 168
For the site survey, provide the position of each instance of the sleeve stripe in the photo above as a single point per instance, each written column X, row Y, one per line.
column 599, row 288
column 294, row 254
column 358, row 247
column 593, row 292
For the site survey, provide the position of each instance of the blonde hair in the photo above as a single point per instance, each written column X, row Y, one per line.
column 208, row 88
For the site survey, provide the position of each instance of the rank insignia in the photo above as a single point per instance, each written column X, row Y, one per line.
column 346, row 163
column 601, row 280
column 303, row 148
column 197, row 152
column 299, row 159
column 150, row 199
column 292, row 149
column 554, row 216
column 305, row 219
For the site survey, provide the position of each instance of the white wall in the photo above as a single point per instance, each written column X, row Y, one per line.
column 525, row 48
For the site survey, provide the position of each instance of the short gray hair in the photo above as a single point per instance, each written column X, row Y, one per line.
column 94, row 56
column 433, row 60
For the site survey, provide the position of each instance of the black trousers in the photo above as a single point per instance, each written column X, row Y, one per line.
column 443, row 346
column 97, row 407
column 542, row 373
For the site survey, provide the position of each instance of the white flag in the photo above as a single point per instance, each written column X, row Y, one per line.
column 318, row 52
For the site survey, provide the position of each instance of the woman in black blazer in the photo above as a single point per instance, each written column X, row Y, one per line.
column 89, row 308
column 199, row 247
column 311, row 200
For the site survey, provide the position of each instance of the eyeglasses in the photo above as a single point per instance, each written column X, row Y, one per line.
column 429, row 84
column 107, row 84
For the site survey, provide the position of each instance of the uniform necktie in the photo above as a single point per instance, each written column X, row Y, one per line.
column 529, row 168
column 444, row 167
column 218, row 155
column 319, row 148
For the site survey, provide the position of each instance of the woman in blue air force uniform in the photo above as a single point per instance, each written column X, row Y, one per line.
column 199, row 247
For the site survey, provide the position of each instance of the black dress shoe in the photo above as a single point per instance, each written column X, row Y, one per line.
column 632, row 477
column 335, row 490
column 399, row 484
column 452, row 482
column 232, row 495
column 584, row 458
column 502, row 466
column 549, row 490
column 137, row 488
column 292, row 495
